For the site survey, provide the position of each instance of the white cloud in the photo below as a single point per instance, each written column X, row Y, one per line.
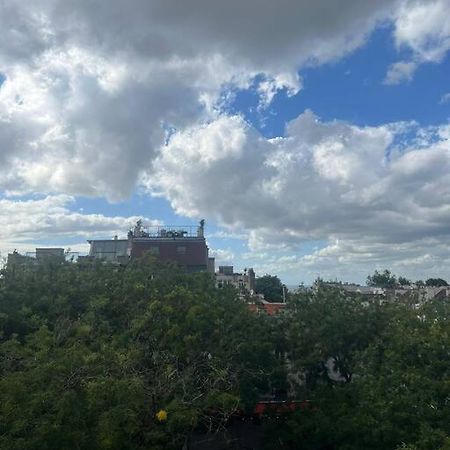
column 422, row 27
column 288, row 184
column 91, row 87
column 90, row 84
column 81, row 124
column 353, row 260
column 322, row 181
column 24, row 222
column 223, row 256
column 445, row 98
column 399, row 72
column 269, row 87
column 222, row 234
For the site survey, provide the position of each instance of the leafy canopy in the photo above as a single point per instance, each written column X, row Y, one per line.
column 90, row 353
column 271, row 287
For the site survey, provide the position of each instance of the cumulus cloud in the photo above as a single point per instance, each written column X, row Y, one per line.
column 91, row 89
column 222, row 234
column 91, row 86
column 400, row 71
column 423, row 28
column 321, row 180
column 223, row 256
column 81, row 124
column 269, row 87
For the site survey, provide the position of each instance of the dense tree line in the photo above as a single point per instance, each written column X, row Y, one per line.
column 377, row 374
column 90, row 353
column 386, row 279
column 94, row 356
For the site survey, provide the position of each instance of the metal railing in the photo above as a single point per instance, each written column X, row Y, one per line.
column 169, row 231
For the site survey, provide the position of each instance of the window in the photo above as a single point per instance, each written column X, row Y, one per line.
column 181, row 250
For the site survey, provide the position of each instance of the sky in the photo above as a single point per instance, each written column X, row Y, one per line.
column 313, row 137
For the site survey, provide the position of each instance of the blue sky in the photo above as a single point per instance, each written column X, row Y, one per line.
column 317, row 147
column 352, row 90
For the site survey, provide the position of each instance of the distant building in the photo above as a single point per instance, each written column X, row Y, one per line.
column 211, row 265
column 412, row 293
column 42, row 254
column 363, row 290
column 45, row 254
column 226, row 270
column 111, row 250
column 243, row 282
column 16, row 259
column 269, row 308
column 185, row 246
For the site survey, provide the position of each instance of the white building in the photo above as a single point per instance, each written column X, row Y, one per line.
column 243, row 282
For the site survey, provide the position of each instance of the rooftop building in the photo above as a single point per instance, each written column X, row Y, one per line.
column 111, row 250
column 185, row 245
column 40, row 255
column 269, row 308
column 243, row 282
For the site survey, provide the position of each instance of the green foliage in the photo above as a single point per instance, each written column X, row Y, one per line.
column 437, row 282
column 402, row 281
column 406, row 378
column 90, row 353
column 271, row 287
column 384, row 279
column 325, row 330
column 398, row 391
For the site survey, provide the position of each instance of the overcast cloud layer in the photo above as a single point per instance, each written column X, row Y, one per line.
column 94, row 90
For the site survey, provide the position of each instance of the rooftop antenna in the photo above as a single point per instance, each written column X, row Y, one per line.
column 201, row 228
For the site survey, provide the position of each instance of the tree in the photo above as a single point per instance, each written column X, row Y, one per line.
column 436, row 282
column 383, row 279
column 403, row 383
column 402, row 281
column 325, row 330
column 90, row 353
column 271, row 287
column 398, row 394
column 97, row 356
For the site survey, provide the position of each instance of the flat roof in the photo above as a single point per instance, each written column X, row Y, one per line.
column 168, row 239
column 107, row 240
